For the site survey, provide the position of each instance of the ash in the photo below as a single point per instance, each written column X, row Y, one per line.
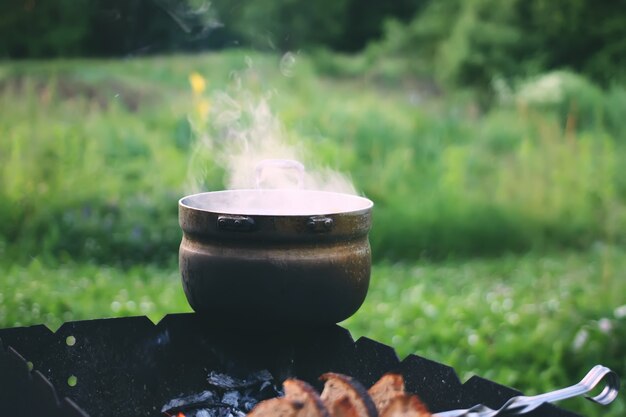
column 227, row 396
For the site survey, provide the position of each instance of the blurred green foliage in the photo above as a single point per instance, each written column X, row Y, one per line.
column 346, row 25
column 46, row 28
column 50, row 28
column 36, row 293
column 471, row 43
column 64, row 28
column 459, row 43
column 541, row 170
column 292, row 24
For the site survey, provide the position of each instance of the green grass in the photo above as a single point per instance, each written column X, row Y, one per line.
column 95, row 153
column 515, row 320
column 531, row 322
column 42, row 293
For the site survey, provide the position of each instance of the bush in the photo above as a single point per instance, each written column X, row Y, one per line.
column 46, row 28
column 615, row 103
column 66, row 28
column 100, row 189
column 470, row 43
column 576, row 101
column 35, row 29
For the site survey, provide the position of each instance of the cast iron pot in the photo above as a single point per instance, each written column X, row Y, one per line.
column 275, row 256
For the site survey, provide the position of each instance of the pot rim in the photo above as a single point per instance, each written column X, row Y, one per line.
column 358, row 204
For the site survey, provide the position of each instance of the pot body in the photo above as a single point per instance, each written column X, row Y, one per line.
column 240, row 268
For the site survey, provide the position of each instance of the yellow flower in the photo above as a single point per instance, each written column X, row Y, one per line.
column 198, row 83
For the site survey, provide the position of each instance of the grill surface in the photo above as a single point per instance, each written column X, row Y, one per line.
column 132, row 367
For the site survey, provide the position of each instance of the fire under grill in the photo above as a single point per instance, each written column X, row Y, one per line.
column 130, row 367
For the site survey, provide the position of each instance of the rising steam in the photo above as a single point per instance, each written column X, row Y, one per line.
column 240, row 130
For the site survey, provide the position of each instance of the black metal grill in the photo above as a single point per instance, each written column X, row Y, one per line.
column 130, row 367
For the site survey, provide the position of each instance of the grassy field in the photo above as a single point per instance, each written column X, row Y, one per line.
column 498, row 232
column 95, row 154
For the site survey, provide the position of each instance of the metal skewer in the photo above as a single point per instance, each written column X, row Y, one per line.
column 523, row 404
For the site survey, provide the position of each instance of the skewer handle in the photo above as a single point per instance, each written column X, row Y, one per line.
column 522, row 404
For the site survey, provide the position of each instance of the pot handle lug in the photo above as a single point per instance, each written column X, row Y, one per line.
column 236, row 223
column 320, row 224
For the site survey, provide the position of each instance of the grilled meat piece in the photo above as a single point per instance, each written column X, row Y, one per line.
column 405, row 406
column 343, row 397
column 344, row 407
column 338, row 386
column 276, row 407
column 388, row 387
column 300, row 391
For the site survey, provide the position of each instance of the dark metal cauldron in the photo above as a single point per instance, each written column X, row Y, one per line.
column 240, row 266
column 275, row 256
